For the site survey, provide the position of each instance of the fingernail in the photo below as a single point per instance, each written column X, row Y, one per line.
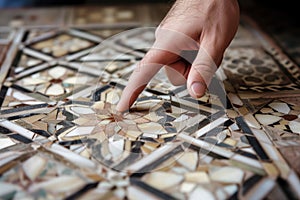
column 198, row 89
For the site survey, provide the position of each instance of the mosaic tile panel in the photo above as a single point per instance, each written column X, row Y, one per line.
column 61, row 138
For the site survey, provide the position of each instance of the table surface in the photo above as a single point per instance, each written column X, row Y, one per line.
column 63, row 71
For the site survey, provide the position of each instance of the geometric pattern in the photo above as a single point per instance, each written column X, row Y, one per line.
column 60, row 137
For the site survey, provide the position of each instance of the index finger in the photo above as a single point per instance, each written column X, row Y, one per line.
column 143, row 73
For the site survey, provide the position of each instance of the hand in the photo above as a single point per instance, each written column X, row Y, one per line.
column 207, row 26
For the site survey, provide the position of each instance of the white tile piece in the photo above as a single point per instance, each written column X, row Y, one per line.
column 134, row 193
column 18, row 129
column 116, row 148
column 202, row 193
column 6, row 142
column 280, row 107
column 187, row 187
column 81, row 131
column 21, row 96
column 82, row 110
column 230, row 189
column 180, row 170
column 57, row 72
column 295, row 126
column 267, row 119
column 119, row 193
column 220, row 194
column 76, row 80
column 210, row 126
column 34, row 81
column 55, row 90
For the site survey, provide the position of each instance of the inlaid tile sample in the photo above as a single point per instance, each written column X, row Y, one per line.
column 253, row 69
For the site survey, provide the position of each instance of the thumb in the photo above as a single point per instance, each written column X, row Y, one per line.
column 201, row 73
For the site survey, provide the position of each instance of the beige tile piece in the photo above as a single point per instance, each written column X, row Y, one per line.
column 163, row 180
column 226, row 174
column 197, row 177
column 189, row 160
column 34, row 167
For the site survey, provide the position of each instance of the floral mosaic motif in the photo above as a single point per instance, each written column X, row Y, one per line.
column 54, row 82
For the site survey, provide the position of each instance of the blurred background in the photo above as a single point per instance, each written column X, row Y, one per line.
column 271, row 4
column 43, row 3
column 287, row 8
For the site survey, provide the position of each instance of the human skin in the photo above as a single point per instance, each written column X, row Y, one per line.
column 205, row 26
